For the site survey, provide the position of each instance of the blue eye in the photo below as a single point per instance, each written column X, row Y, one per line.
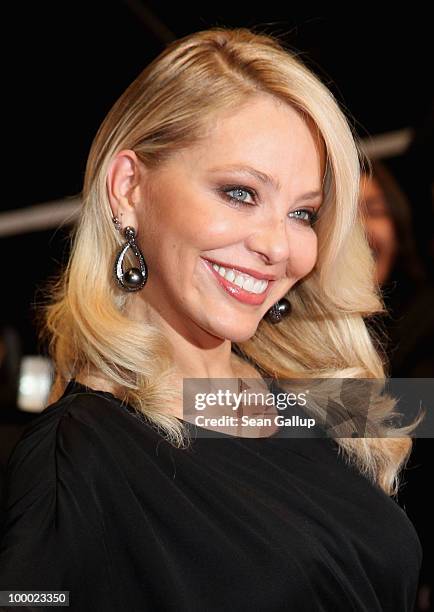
column 309, row 216
column 226, row 191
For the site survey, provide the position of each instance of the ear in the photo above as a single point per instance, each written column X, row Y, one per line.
column 125, row 187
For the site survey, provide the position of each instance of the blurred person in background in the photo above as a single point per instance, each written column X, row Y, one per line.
column 409, row 325
column 407, row 289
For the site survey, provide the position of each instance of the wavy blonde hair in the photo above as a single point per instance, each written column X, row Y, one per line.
column 168, row 108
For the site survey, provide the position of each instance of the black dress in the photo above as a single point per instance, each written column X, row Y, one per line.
column 100, row 505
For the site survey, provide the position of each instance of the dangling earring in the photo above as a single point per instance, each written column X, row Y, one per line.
column 278, row 311
column 133, row 279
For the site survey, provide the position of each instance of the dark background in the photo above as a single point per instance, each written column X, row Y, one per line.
column 66, row 63
column 70, row 61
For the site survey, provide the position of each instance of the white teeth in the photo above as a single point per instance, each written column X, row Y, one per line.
column 248, row 285
column 247, row 282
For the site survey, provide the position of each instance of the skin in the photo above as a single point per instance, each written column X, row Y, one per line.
column 379, row 226
column 180, row 217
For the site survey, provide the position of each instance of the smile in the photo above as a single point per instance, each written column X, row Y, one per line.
column 240, row 285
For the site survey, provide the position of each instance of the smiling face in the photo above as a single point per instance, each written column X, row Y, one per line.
column 199, row 210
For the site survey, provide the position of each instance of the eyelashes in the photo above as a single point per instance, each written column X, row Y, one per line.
column 310, row 218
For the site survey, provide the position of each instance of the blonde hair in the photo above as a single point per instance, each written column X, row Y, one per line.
column 168, row 108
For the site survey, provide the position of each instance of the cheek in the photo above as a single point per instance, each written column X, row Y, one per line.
column 381, row 230
column 199, row 222
column 389, row 234
column 371, row 227
column 303, row 253
column 171, row 229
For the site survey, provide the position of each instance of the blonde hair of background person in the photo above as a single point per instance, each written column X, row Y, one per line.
column 169, row 107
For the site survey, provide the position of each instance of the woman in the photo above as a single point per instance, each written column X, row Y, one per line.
column 406, row 288
column 232, row 177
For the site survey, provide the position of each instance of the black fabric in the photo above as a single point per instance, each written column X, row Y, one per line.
column 100, row 505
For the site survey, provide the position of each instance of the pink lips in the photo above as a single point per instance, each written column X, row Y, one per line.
column 238, row 293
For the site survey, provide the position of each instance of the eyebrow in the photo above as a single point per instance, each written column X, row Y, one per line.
column 266, row 179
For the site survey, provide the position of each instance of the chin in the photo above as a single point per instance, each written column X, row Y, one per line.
column 238, row 333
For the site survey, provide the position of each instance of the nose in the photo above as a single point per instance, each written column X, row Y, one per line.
column 271, row 240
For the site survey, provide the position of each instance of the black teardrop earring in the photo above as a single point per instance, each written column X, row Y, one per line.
column 278, row 311
column 134, row 278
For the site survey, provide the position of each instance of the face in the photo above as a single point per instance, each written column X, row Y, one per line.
column 222, row 246
column 379, row 227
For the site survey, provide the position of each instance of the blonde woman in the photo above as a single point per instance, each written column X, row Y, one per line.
column 218, row 238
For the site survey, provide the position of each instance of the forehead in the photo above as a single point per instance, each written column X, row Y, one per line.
column 266, row 134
